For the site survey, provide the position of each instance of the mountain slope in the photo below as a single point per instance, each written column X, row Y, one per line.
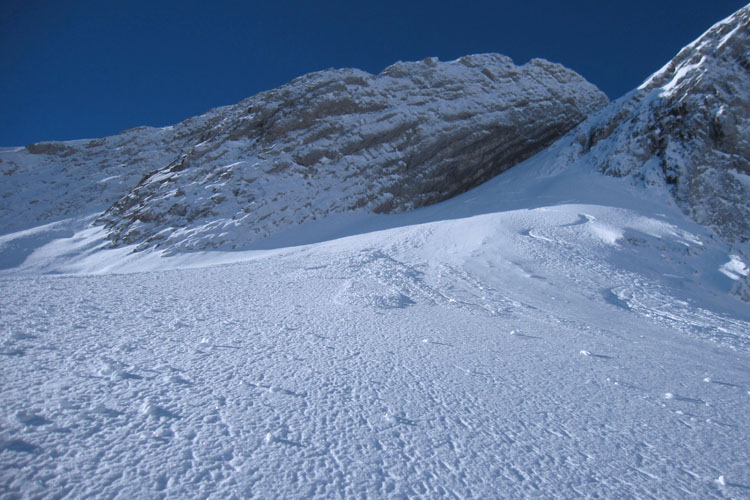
column 338, row 141
column 688, row 127
column 572, row 338
column 328, row 142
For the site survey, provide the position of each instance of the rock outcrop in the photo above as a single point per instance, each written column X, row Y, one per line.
column 344, row 140
column 688, row 127
column 51, row 180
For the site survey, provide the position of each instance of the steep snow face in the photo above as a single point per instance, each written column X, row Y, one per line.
column 328, row 142
column 687, row 126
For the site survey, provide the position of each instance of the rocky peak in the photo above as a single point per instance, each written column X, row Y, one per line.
column 688, row 127
column 344, row 140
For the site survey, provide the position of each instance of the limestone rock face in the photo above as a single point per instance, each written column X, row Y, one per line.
column 51, row 180
column 688, row 126
column 345, row 140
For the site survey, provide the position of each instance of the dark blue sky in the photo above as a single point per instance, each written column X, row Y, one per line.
column 80, row 69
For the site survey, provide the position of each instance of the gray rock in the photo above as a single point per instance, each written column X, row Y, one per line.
column 688, row 127
column 345, row 140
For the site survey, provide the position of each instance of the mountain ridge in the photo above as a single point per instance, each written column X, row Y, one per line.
column 328, row 142
column 688, row 127
column 345, row 141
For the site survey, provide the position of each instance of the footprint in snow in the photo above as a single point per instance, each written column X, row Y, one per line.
column 677, row 397
column 400, row 418
column 100, row 409
column 16, row 335
column 12, row 352
column 718, row 382
column 19, row 446
column 176, row 379
column 31, row 419
column 591, row 354
column 150, row 409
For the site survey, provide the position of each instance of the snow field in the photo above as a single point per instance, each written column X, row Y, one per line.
column 444, row 359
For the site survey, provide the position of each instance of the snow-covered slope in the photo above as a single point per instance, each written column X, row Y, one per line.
column 48, row 181
column 550, row 334
column 329, row 142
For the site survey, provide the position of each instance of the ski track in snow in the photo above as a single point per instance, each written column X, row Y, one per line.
column 411, row 363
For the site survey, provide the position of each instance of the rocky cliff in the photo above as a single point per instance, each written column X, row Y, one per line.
column 325, row 143
column 688, row 127
column 344, row 140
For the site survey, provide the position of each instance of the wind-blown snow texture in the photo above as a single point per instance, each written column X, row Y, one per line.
column 552, row 333
column 552, row 351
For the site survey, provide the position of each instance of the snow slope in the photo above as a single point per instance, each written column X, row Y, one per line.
column 552, row 333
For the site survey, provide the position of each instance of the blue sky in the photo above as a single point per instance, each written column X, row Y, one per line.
column 82, row 69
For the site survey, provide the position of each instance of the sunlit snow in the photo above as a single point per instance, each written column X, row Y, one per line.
column 547, row 335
